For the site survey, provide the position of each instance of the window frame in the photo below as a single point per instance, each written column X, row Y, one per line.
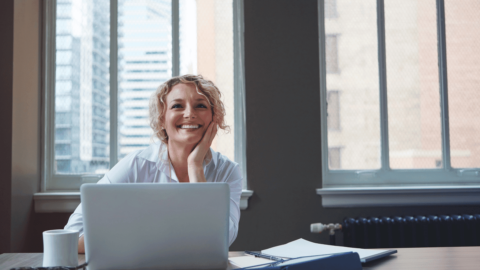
column 347, row 188
column 52, row 182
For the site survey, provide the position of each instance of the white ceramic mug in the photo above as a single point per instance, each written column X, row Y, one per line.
column 60, row 248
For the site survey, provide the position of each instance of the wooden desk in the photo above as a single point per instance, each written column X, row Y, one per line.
column 458, row 258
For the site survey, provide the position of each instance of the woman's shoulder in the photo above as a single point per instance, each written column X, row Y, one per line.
column 152, row 153
column 221, row 160
column 225, row 170
column 149, row 155
column 225, row 166
column 134, row 164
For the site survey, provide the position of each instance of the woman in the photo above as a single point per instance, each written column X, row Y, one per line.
column 185, row 113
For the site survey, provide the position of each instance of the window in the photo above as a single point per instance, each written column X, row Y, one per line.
column 409, row 92
column 333, row 104
column 331, row 55
column 109, row 57
column 334, row 160
column 330, row 9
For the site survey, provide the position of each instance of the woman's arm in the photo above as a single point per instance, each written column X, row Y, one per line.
column 121, row 173
column 196, row 174
column 81, row 245
column 235, row 182
column 75, row 223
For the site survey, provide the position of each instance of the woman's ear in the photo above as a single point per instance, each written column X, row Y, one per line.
column 161, row 123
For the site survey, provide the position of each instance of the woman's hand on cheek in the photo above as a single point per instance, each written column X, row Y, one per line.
column 195, row 159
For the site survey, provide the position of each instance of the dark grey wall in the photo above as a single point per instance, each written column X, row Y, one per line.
column 6, row 84
column 283, row 117
column 283, row 131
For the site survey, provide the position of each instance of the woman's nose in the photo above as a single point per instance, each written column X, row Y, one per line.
column 189, row 112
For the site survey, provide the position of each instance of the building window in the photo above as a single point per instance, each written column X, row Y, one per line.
column 110, row 56
column 333, row 103
column 407, row 116
column 331, row 54
column 334, row 158
column 330, row 9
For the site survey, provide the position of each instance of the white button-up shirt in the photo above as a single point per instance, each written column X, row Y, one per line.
column 146, row 166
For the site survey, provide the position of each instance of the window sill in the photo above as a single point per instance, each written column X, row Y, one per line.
column 399, row 196
column 67, row 201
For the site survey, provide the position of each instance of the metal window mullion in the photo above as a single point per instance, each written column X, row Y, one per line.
column 49, row 57
column 442, row 64
column 240, row 128
column 323, row 90
column 382, row 71
column 113, row 82
column 175, row 38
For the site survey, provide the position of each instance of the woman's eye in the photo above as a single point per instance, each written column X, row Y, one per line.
column 176, row 106
column 202, row 106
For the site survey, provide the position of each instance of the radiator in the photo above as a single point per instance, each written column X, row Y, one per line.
column 412, row 231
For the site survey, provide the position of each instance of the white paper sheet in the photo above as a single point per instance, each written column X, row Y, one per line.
column 247, row 261
column 302, row 247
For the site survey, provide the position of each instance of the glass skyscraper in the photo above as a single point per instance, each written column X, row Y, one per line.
column 144, row 62
column 82, row 87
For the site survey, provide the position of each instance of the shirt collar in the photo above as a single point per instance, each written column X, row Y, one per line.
column 157, row 153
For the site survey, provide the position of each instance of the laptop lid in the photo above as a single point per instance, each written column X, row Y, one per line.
column 156, row 226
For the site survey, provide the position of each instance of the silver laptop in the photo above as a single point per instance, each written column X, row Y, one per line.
column 156, row 226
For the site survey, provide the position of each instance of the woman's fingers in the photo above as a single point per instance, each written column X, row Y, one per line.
column 214, row 133
column 206, row 140
column 209, row 134
column 200, row 150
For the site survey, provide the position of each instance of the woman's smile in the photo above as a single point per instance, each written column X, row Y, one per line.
column 189, row 126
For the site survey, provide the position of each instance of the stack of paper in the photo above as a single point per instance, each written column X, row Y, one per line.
column 301, row 247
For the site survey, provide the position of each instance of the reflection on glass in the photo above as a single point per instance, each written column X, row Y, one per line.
column 412, row 83
column 206, row 48
column 144, row 62
column 82, row 87
column 352, row 73
column 462, row 21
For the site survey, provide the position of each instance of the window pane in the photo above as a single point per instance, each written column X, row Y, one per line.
column 462, row 21
column 144, row 62
column 334, row 158
column 331, row 53
column 354, row 49
column 333, row 118
column 330, row 9
column 82, row 87
column 413, row 84
column 206, row 48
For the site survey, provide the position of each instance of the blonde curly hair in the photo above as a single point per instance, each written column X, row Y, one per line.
column 206, row 88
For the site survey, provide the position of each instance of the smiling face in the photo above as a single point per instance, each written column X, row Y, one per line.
column 187, row 115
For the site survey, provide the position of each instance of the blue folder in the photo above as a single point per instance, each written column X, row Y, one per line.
column 341, row 261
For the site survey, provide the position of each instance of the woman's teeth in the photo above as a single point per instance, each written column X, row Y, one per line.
column 189, row 126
